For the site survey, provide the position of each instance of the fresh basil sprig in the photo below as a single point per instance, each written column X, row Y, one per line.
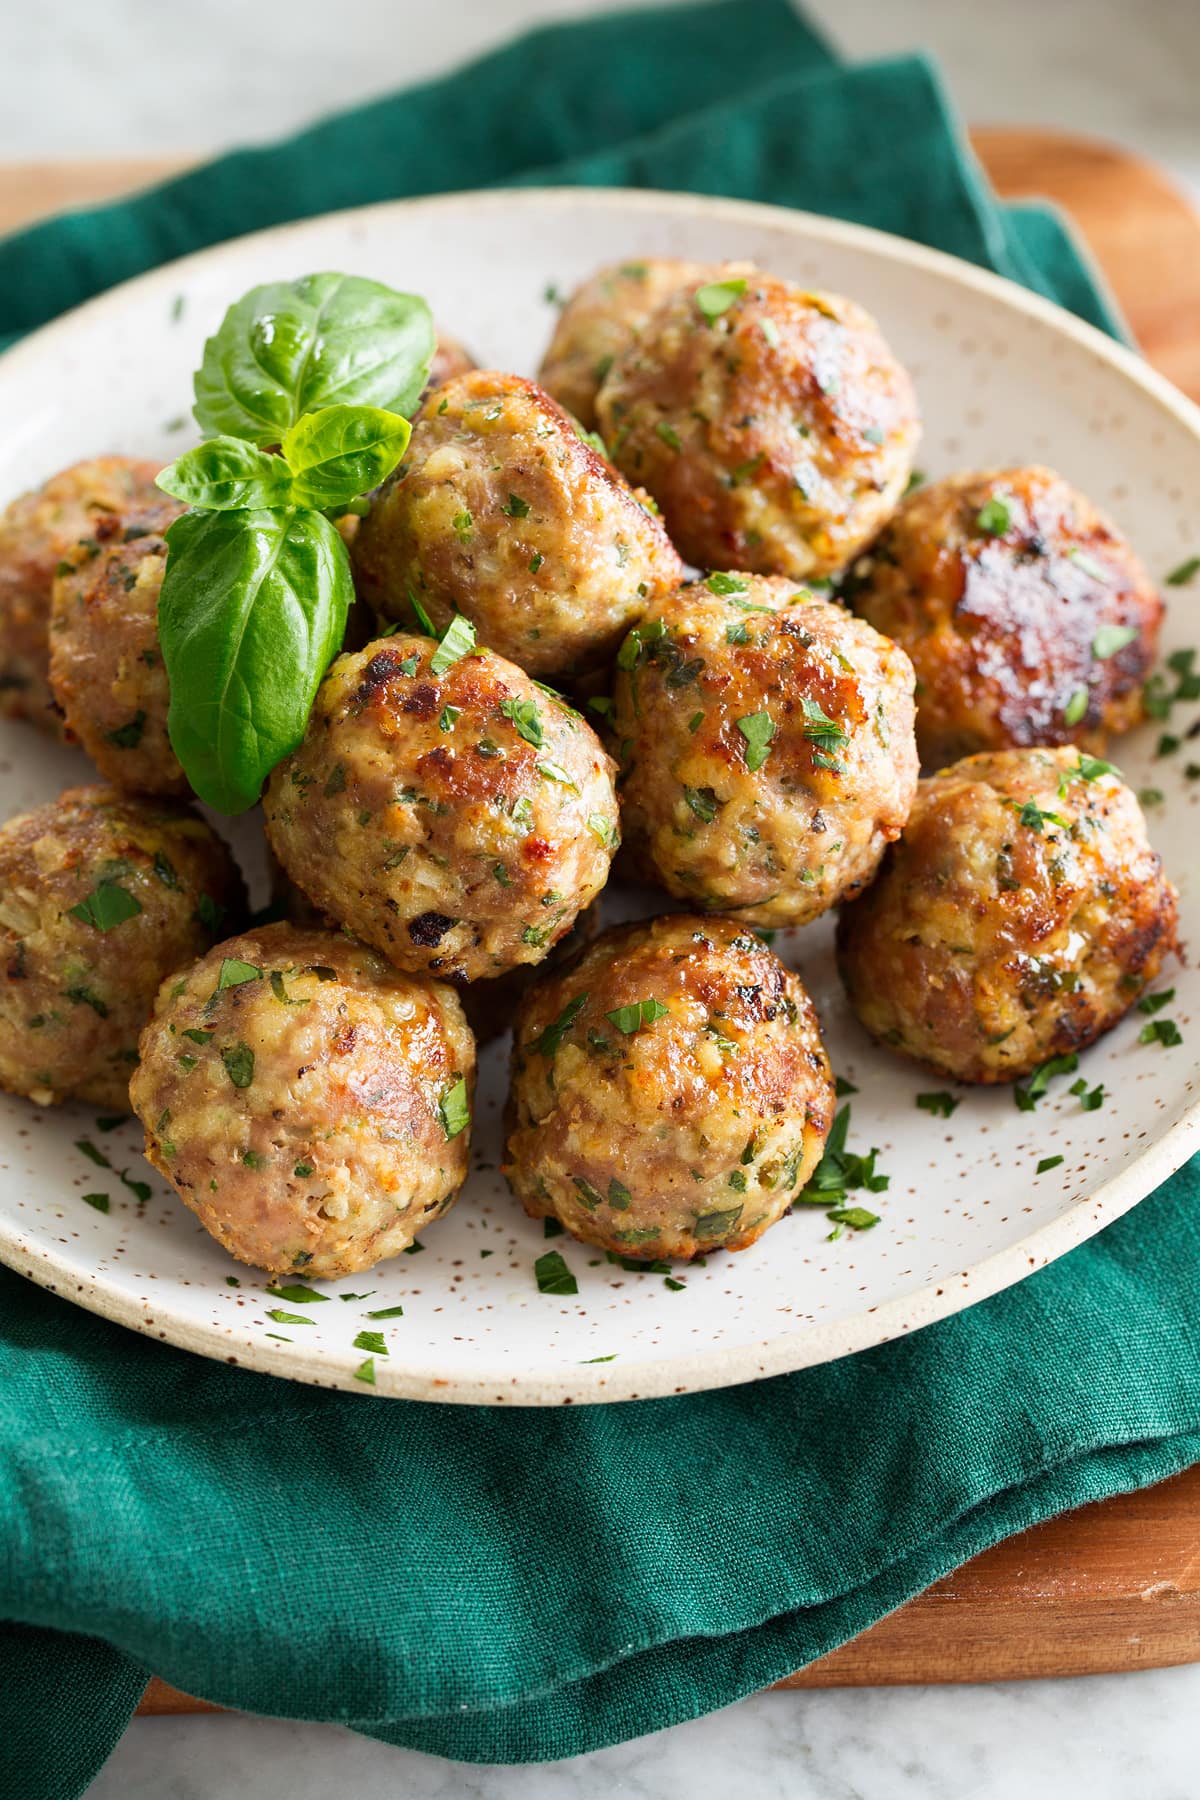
column 258, row 585
column 292, row 347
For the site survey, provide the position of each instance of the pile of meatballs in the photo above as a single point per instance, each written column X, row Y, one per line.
column 702, row 528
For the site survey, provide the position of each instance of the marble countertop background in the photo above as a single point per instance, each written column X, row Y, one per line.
column 130, row 78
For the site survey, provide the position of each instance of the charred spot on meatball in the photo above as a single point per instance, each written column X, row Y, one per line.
column 458, row 820
column 67, row 520
column 1028, row 617
column 309, row 1102
column 1018, row 918
column 670, row 1092
column 773, row 425
column 101, row 897
column 501, row 512
column 766, row 745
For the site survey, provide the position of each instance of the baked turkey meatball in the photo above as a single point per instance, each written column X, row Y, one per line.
column 773, row 426
column 79, row 509
column 101, row 896
column 767, row 751
column 670, row 1091
column 602, row 318
column 1028, row 618
column 309, row 1102
column 456, row 818
column 106, row 668
column 500, row 511
column 1019, row 916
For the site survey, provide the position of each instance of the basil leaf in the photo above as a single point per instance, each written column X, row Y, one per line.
column 343, row 451
column 252, row 611
column 290, row 347
column 225, row 473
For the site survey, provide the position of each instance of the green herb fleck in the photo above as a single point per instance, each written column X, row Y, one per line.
column 107, row 905
column 757, row 729
column 553, row 1275
column 454, row 1108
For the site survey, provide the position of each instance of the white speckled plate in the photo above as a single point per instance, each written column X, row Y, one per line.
column 1002, row 377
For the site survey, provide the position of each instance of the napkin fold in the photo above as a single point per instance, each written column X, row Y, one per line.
column 498, row 1585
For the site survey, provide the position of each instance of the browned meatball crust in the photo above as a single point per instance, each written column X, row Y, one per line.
column 776, row 434
column 101, row 896
column 1027, row 615
column 766, row 744
column 309, row 1102
column 456, row 821
column 1018, row 918
column 75, row 511
column 602, row 318
column 106, row 667
column 500, row 511
column 670, row 1091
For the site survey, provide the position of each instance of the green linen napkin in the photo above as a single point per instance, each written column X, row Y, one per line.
column 512, row 1586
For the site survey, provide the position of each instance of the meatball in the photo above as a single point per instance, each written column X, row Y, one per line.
column 602, row 318
column 449, row 359
column 456, row 818
column 309, row 1102
column 491, row 1005
column 78, row 510
column 767, row 750
column 101, row 897
column 500, row 511
column 1028, row 617
column 106, row 668
column 670, row 1091
column 1018, row 918
column 773, row 426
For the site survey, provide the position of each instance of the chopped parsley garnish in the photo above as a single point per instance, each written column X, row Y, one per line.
column 695, row 722
column 668, row 434
column 386, row 1312
column 297, row 1294
column 842, row 1087
column 551, row 772
column 642, row 1012
column 1185, row 572
column 757, row 729
column 1027, row 1094
column 234, row 973
column 99, row 1201
column 552, row 1227
column 1033, row 816
column 856, row 1217
column 1076, row 706
column 516, row 508
column 1167, row 744
column 703, row 802
column 93, row 1155
column 527, row 719
column 727, row 584
column 553, row 1275
column 107, row 905
column 457, row 641
column 819, row 728
column 454, row 1108
column 129, row 735
column 421, row 616
column 141, row 1190
column 1090, row 1099
column 1161, row 1031
column 365, row 1372
column 716, row 297
column 197, row 1036
column 838, row 1171
column 940, row 1104
column 280, row 991
column 1111, row 638
column 535, row 562
column 302, row 1171
column 463, row 524
column 717, row 1224
column 286, row 1318
column 1047, row 1163
column 1150, row 796
column 995, row 515
column 603, row 830
column 547, row 1044
column 371, row 1341
column 239, row 1064
column 1152, row 1003
column 618, row 1195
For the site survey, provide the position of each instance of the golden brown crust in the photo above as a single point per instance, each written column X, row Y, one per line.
column 667, row 1132
column 500, row 511
column 458, row 822
column 602, row 318
column 76, row 991
column 300, row 1109
column 75, row 511
column 1019, row 916
column 106, row 667
column 997, row 585
column 779, row 843
column 777, row 436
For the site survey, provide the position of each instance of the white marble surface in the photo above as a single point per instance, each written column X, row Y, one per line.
column 129, row 78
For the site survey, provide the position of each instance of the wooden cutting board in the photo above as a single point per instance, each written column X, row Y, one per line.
column 1113, row 1586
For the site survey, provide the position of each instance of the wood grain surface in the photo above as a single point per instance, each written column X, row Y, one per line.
column 1113, row 1586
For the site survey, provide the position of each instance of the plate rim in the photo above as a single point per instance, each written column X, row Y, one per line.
column 696, row 1371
